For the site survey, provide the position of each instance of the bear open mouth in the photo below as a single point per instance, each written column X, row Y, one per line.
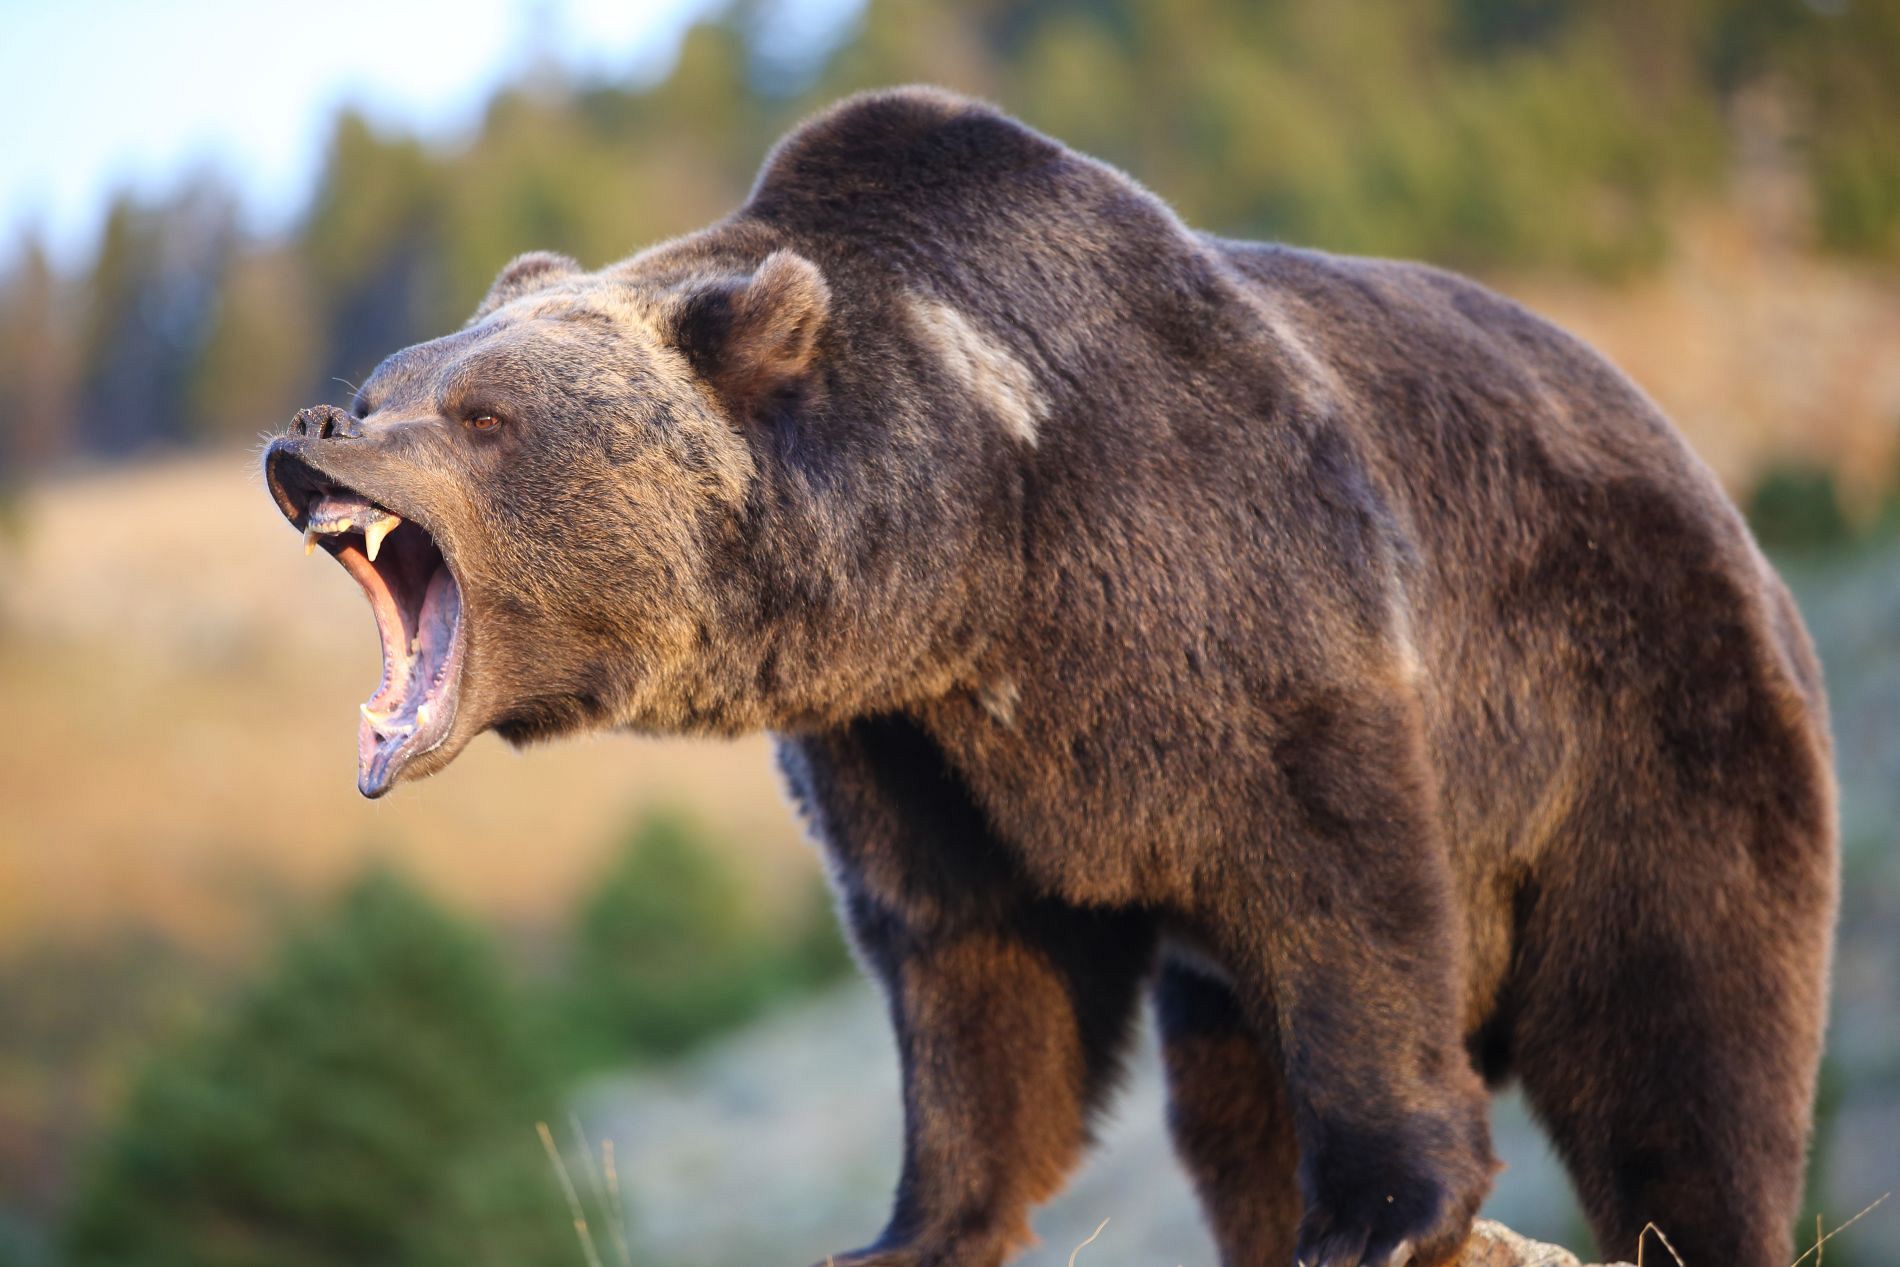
column 417, row 604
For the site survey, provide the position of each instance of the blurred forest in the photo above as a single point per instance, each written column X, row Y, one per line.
column 1553, row 135
column 1707, row 189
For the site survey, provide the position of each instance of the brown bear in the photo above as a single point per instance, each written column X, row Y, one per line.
column 1327, row 646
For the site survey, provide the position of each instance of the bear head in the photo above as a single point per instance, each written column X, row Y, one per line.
column 771, row 475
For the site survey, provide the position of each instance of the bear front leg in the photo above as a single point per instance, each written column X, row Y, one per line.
column 1011, row 1009
column 1007, row 1032
column 1341, row 931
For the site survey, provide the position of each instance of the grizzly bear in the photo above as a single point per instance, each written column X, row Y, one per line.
column 1327, row 647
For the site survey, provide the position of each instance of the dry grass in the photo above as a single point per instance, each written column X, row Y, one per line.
column 581, row 1230
column 1816, row 1251
column 1088, row 1241
column 604, row 1188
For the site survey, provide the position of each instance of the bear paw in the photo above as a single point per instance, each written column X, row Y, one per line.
column 1408, row 1202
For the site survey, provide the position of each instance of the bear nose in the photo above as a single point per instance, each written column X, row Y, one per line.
column 325, row 422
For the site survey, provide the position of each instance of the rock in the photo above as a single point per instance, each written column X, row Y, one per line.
column 1495, row 1245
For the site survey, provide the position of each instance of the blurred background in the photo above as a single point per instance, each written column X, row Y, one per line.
column 247, row 1018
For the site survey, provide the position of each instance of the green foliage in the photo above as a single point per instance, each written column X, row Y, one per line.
column 1798, row 507
column 668, row 951
column 372, row 1099
column 1480, row 134
column 1857, row 188
column 1548, row 134
column 259, row 352
column 146, row 311
column 75, row 1013
column 1844, row 70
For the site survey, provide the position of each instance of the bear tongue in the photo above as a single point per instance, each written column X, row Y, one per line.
column 422, row 678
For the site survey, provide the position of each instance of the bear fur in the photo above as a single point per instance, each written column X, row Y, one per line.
column 1327, row 648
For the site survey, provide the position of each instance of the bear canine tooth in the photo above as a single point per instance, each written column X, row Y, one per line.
column 373, row 535
column 309, row 542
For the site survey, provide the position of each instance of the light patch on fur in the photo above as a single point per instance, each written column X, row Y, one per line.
column 1410, row 666
column 1315, row 373
column 998, row 381
column 1401, row 643
column 999, row 697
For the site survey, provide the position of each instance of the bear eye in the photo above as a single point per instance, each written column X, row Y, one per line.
column 483, row 422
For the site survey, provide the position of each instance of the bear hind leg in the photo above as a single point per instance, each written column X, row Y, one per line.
column 1673, row 1062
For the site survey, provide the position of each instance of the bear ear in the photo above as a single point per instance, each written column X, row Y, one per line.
column 754, row 338
column 523, row 275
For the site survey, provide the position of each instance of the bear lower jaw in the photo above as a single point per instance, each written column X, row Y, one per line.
column 415, row 705
column 416, row 600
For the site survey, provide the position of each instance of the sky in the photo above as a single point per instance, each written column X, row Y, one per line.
column 105, row 95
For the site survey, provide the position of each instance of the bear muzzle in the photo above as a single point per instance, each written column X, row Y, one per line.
column 411, row 586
